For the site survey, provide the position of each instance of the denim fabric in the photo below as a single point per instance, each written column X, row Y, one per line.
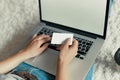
column 42, row 75
column 89, row 75
column 111, row 3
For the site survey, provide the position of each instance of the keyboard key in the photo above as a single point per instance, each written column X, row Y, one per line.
column 79, row 47
column 87, row 47
column 84, row 46
column 81, row 57
column 52, row 46
column 82, row 53
column 77, row 56
column 83, row 42
column 87, row 50
column 80, row 41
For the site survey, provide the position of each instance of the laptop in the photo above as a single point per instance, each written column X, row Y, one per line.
column 86, row 19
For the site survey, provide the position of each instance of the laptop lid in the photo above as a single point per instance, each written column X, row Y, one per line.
column 87, row 17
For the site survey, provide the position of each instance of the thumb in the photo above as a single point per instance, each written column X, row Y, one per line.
column 45, row 46
column 67, row 43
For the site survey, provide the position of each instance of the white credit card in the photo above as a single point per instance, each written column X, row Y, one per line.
column 60, row 38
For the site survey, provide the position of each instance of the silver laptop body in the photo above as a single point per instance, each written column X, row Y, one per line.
column 78, row 68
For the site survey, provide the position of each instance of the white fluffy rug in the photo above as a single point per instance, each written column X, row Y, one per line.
column 19, row 17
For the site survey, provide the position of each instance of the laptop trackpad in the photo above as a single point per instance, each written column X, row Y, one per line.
column 46, row 61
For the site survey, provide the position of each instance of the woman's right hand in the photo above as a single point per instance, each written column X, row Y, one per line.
column 67, row 52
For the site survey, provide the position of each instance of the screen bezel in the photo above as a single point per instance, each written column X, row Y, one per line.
column 77, row 30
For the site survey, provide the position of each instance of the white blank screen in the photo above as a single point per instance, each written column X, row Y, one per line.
column 86, row 15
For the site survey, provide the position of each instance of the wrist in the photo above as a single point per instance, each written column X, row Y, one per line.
column 21, row 55
column 62, row 64
column 62, row 67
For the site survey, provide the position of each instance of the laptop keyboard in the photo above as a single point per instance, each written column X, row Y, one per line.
column 83, row 46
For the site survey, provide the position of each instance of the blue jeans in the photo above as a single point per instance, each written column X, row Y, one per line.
column 42, row 75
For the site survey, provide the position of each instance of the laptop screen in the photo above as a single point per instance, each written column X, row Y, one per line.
column 85, row 15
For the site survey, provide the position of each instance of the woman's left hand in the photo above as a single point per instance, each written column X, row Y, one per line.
column 36, row 46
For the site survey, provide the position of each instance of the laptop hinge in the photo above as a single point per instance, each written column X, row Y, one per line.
column 80, row 32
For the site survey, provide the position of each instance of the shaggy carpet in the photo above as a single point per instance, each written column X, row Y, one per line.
column 19, row 17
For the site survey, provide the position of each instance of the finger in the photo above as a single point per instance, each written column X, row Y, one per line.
column 44, row 40
column 75, row 44
column 67, row 42
column 42, row 37
column 45, row 46
column 59, row 47
column 34, row 36
column 74, row 47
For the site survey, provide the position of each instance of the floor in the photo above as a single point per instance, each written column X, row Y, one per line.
column 19, row 17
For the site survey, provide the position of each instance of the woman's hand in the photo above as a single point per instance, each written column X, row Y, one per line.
column 67, row 52
column 36, row 46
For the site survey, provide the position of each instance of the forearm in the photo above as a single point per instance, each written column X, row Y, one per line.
column 62, row 72
column 11, row 62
